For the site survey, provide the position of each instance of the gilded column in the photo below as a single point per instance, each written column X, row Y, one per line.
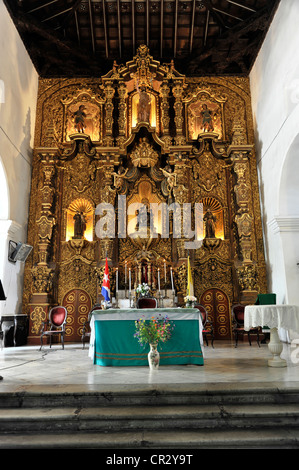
column 164, row 91
column 178, row 109
column 109, row 93
column 42, row 273
column 122, row 119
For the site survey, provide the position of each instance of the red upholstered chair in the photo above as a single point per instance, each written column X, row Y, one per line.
column 55, row 325
column 146, row 302
column 206, row 324
column 238, row 324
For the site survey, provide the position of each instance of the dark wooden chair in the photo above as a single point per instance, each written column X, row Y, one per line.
column 146, row 302
column 238, row 325
column 55, row 325
column 208, row 329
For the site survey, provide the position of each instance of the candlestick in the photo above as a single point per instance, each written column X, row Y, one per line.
column 159, row 279
column 171, row 276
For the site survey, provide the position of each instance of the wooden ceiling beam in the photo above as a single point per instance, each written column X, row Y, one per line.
column 133, row 26
column 27, row 24
column 56, row 14
column 206, row 28
column 42, row 6
column 74, row 7
column 161, row 27
column 147, row 23
column 241, row 6
column 214, row 13
column 119, row 28
column 192, row 25
column 105, row 29
column 175, row 27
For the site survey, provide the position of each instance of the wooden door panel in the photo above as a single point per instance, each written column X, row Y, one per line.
column 78, row 305
column 217, row 305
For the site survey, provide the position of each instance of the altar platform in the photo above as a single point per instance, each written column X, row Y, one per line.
column 25, row 368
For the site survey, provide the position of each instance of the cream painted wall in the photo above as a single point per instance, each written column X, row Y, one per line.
column 18, row 97
column 274, row 82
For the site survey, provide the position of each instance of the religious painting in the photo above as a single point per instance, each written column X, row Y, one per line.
column 204, row 115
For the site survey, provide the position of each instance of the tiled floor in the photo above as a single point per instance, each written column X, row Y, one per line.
column 24, row 368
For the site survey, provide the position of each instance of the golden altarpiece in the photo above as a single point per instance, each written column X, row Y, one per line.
column 149, row 134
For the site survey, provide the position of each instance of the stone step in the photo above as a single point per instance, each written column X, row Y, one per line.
column 190, row 441
column 150, row 418
column 130, row 395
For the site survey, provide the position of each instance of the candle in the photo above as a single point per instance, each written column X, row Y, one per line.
column 116, row 279
column 129, row 279
column 159, row 279
column 171, row 275
column 165, row 272
column 125, row 273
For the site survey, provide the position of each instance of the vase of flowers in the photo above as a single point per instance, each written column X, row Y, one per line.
column 190, row 301
column 143, row 290
column 152, row 332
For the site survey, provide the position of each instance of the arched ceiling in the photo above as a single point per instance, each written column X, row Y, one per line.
column 80, row 38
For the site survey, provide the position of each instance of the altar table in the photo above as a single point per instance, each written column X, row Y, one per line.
column 273, row 316
column 112, row 341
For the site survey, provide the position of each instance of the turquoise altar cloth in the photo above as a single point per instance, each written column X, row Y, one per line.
column 112, row 341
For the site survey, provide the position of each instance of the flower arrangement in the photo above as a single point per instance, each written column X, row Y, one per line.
column 143, row 289
column 190, row 300
column 154, row 330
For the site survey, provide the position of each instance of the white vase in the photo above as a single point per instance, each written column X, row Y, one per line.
column 153, row 357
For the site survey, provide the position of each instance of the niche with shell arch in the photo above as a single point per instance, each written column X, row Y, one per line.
column 85, row 207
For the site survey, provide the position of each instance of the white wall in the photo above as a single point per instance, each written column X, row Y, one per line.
column 275, row 96
column 18, row 97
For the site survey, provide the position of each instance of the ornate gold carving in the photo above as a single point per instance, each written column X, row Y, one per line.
column 144, row 155
column 37, row 317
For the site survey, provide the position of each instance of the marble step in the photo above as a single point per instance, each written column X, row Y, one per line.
column 139, row 443
column 150, row 418
column 138, row 395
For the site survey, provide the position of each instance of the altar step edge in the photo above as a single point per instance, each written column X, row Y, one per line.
column 176, row 395
column 201, row 426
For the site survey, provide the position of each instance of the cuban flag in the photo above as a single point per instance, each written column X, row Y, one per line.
column 106, row 284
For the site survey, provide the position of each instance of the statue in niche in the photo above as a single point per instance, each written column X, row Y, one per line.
column 207, row 120
column 79, row 225
column 209, row 220
column 144, row 105
column 80, row 116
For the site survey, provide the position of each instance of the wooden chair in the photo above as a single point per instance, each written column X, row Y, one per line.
column 55, row 325
column 238, row 324
column 146, row 302
column 206, row 324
